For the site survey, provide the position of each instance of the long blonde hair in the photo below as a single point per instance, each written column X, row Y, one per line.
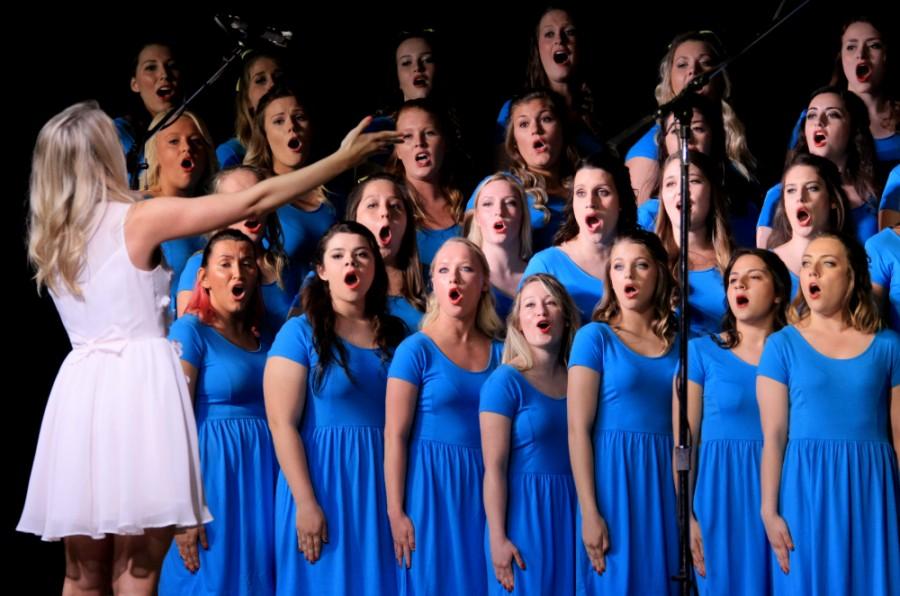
column 735, row 135
column 150, row 176
column 244, row 112
column 486, row 319
column 473, row 232
column 516, row 349
column 78, row 163
column 535, row 184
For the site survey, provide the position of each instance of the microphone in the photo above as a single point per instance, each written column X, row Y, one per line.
column 233, row 25
column 236, row 27
column 276, row 37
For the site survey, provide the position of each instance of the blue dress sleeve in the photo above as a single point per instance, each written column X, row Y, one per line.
column 767, row 213
column 894, row 338
column 294, row 341
column 797, row 130
column 537, row 264
column 125, row 134
column 189, row 273
column 646, row 214
column 696, row 364
column 645, row 146
column 408, row 363
column 502, row 121
column 879, row 270
column 587, row 349
column 773, row 363
column 500, row 394
column 470, row 205
column 890, row 198
column 230, row 153
column 186, row 333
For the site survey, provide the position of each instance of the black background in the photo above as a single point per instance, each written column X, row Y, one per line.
column 344, row 57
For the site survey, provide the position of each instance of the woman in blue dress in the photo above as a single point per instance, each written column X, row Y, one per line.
column 812, row 201
column 620, row 426
column 223, row 355
column 884, row 267
column 828, row 388
column 557, row 61
column 541, row 157
column 689, row 55
column 433, row 464
column 709, row 237
column 501, row 228
column 261, row 68
column 277, row 281
column 529, row 494
column 280, row 143
column 383, row 205
column 180, row 163
column 889, row 207
column 601, row 206
column 156, row 89
column 836, row 128
column 863, row 68
column 707, row 136
column 728, row 540
column 324, row 389
column 426, row 160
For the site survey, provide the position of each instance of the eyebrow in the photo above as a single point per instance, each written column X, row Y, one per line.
column 738, row 271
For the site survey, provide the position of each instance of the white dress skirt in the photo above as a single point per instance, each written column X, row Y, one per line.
column 117, row 450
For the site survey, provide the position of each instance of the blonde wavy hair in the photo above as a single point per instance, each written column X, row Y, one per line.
column 735, row 135
column 244, row 112
column 473, row 232
column 516, row 349
column 78, row 165
column 535, row 184
column 150, row 176
column 860, row 309
column 486, row 319
column 665, row 294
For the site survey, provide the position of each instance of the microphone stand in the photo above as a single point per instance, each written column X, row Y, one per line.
column 131, row 159
column 683, row 112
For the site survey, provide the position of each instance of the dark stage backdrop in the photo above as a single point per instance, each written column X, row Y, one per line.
column 344, row 57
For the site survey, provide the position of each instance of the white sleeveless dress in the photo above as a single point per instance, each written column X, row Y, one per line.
column 117, row 450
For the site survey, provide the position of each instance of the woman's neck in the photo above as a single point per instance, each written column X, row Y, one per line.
column 396, row 280
column 503, row 261
column 636, row 322
column 753, row 334
column 167, row 189
column 460, row 330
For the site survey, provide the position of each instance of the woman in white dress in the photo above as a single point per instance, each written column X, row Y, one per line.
column 116, row 467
